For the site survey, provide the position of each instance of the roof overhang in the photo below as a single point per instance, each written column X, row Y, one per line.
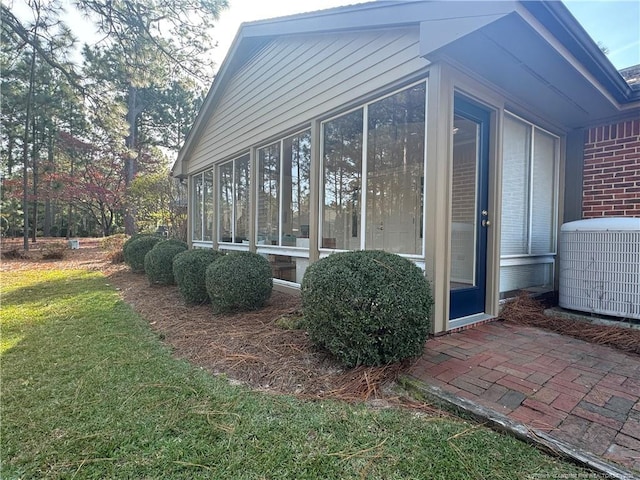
column 535, row 51
column 566, row 80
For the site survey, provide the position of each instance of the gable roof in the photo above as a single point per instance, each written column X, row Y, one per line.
column 456, row 31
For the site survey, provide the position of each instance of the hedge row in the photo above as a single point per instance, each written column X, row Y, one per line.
column 364, row 307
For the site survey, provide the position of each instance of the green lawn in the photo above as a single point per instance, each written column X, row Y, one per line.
column 88, row 391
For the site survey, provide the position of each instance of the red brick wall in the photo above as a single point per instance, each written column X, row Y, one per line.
column 611, row 185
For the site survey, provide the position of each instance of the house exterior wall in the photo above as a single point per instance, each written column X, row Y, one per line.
column 309, row 75
column 611, row 184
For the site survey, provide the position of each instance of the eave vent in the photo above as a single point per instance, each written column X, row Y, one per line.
column 600, row 266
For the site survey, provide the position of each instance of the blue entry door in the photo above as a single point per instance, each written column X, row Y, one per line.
column 469, row 209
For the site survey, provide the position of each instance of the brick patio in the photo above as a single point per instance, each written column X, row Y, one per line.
column 584, row 394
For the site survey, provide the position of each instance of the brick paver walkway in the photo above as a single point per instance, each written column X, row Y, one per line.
column 584, row 394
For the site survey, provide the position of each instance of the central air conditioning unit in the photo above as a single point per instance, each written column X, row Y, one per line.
column 600, row 266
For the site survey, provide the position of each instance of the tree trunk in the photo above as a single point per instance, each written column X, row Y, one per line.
column 34, row 166
column 25, row 154
column 48, row 213
column 131, row 162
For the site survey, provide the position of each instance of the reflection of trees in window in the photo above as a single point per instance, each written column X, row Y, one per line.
column 395, row 160
column 342, row 151
column 197, row 207
column 225, row 211
column 242, row 199
column 268, row 194
column 207, row 204
column 296, row 166
column 233, row 208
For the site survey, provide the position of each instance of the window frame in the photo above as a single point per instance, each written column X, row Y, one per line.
column 542, row 258
column 201, row 175
column 556, row 186
column 218, row 205
column 323, row 251
column 281, row 249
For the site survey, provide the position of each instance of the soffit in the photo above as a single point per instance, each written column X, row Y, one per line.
column 512, row 55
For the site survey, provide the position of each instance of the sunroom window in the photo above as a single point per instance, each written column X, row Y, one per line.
column 233, row 201
column 387, row 189
column 202, row 205
column 283, row 205
column 529, row 202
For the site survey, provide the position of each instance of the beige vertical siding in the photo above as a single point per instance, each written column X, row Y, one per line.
column 295, row 79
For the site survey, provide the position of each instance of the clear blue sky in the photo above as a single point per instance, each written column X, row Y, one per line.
column 614, row 24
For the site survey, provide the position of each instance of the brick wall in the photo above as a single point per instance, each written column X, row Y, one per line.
column 611, row 185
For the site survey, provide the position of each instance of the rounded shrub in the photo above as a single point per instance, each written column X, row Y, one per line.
column 158, row 262
column 135, row 250
column 367, row 307
column 239, row 281
column 189, row 270
column 133, row 237
column 173, row 241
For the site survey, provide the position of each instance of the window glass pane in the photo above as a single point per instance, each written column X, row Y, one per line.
column 207, row 214
column 466, row 140
column 242, row 200
column 395, row 166
column 283, row 267
column 226, row 202
column 296, row 165
column 268, row 195
column 543, row 202
column 342, row 160
column 197, row 207
column 515, row 187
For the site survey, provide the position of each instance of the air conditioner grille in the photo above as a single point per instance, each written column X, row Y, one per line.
column 600, row 267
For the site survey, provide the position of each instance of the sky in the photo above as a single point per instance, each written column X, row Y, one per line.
column 613, row 23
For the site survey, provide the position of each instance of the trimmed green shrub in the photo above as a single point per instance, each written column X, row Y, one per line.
column 173, row 241
column 158, row 262
column 135, row 250
column 239, row 281
column 133, row 237
column 189, row 270
column 367, row 307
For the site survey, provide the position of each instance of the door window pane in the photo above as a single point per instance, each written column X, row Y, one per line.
column 464, row 202
column 226, row 202
column 268, row 195
column 395, row 165
column 342, row 160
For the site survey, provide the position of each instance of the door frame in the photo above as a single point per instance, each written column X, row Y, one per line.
column 466, row 302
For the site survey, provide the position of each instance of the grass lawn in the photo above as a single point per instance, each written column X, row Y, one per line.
column 88, row 391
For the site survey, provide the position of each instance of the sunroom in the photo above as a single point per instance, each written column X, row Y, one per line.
column 411, row 127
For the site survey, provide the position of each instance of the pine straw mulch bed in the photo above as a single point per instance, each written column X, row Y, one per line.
column 524, row 310
column 251, row 349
